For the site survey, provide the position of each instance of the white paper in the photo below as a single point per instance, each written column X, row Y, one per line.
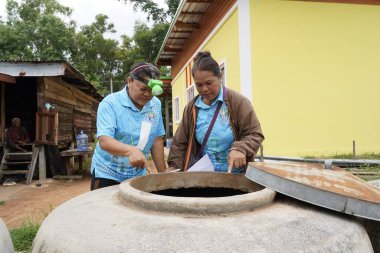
column 204, row 164
column 144, row 134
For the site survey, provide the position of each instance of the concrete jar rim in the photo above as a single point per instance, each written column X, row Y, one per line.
column 137, row 191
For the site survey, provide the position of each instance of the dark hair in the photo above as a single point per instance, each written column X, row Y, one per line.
column 144, row 69
column 204, row 62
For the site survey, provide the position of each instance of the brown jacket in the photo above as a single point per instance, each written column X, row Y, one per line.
column 244, row 123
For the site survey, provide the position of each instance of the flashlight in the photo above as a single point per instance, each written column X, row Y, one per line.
column 156, row 86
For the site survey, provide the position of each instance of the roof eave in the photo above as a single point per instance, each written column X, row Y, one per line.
column 7, row 79
column 170, row 29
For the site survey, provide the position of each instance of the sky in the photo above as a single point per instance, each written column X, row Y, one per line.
column 84, row 11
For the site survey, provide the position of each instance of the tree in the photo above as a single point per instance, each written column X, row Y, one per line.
column 148, row 40
column 155, row 13
column 172, row 7
column 35, row 30
column 42, row 30
column 143, row 46
column 98, row 58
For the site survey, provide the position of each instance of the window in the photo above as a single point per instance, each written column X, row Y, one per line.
column 176, row 109
column 190, row 93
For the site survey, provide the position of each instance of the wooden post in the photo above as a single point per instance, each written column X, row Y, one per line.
column 354, row 149
column 72, row 158
column 32, row 164
column 42, row 163
column 55, row 130
column 2, row 113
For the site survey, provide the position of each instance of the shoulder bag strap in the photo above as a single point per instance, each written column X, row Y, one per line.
column 211, row 124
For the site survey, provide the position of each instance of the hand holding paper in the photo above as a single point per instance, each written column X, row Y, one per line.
column 204, row 164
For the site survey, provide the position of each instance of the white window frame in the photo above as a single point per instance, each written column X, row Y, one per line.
column 190, row 96
column 176, row 106
column 223, row 66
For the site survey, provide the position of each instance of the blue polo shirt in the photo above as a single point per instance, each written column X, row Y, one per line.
column 120, row 119
column 221, row 137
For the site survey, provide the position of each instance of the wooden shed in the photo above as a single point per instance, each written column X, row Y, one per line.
column 53, row 100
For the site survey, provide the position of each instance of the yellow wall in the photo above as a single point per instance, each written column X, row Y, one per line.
column 179, row 90
column 316, row 81
column 223, row 47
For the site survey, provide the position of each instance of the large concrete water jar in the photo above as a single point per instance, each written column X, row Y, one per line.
column 195, row 212
column 6, row 245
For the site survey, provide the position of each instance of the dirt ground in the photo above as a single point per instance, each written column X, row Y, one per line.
column 22, row 203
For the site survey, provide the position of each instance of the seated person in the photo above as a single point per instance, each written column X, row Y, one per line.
column 17, row 136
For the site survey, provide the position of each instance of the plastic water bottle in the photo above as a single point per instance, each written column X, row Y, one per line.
column 82, row 141
column 169, row 143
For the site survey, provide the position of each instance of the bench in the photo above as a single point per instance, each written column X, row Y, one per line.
column 67, row 154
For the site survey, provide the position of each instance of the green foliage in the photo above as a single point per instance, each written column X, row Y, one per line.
column 373, row 172
column 365, row 168
column 35, row 30
column 43, row 30
column 148, row 40
column 172, row 7
column 144, row 46
column 370, row 156
column 155, row 13
column 98, row 58
column 2, row 202
column 23, row 236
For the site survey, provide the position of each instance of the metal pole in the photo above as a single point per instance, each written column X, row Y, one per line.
column 354, row 149
column 261, row 153
column 167, row 116
column 111, row 86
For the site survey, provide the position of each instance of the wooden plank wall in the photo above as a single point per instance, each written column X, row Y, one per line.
column 77, row 110
column 82, row 120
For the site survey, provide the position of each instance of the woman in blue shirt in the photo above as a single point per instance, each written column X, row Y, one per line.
column 129, row 126
column 236, row 135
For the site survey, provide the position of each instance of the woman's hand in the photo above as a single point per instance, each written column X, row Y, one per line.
column 136, row 158
column 236, row 159
column 150, row 170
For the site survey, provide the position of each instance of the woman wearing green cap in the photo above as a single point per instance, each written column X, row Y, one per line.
column 129, row 126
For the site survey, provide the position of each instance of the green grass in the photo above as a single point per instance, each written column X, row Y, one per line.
column 369, row 178
column 2, row 202
column 23, row 236
column 370, row 156
column 365, row 168
column 375, row 169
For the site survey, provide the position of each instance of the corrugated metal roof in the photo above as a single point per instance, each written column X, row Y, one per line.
column 186, row 20
column 49, row 68
column 334, row 189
